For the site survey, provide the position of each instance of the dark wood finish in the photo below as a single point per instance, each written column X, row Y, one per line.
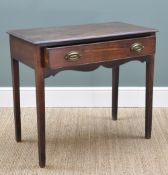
column 16, row 98
column 40, row 100
column 22, row 51
column 106, row 44
column 98, row 52
column 80, row 33
column 115, row 83
column 91, row 67
column 149, row 96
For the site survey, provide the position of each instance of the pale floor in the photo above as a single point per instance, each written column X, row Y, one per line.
column 85, row 141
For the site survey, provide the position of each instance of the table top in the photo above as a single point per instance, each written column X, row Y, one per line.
column 79, row 33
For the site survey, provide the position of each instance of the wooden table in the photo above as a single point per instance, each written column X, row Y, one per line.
column 84, row 48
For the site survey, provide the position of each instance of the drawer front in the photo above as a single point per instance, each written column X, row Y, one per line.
column 70, row 56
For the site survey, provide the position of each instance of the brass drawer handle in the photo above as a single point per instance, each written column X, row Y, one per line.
column 137, row 47
column 72, row 56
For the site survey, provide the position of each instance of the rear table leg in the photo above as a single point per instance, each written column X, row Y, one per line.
column 115, row 83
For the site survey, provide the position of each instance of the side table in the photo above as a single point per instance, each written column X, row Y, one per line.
column 84, row 48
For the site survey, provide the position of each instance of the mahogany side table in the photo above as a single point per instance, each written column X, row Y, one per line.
column 84, row 48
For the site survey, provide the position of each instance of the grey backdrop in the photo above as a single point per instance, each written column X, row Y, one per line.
column 42, row 13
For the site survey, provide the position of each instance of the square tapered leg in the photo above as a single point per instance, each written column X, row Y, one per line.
column 115, row 83
column 149, row 96
column 16, row 98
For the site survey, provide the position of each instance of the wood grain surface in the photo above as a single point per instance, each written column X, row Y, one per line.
column 98, row 52
column 78, row 33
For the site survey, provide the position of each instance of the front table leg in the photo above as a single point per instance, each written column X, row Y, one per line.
column 149, row 96
column 40, row 100
column 115, row 82
column 16, row 98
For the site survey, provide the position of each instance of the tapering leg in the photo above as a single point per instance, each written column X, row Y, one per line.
column 16, row 98
column 149, row 96
column 40, row 100
column 115, row 83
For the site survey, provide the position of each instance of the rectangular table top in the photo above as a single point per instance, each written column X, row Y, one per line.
column 79, row 33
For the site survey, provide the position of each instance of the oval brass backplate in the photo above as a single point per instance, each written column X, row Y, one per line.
column 72, row 56
column 137, row 47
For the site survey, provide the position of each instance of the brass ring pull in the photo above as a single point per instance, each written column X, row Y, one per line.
column 137, row 47
column 72, row 56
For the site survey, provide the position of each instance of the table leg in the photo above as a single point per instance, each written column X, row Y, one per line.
column 149, row 96
column 115, row 83
column 16, row 98
column 40, row 100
